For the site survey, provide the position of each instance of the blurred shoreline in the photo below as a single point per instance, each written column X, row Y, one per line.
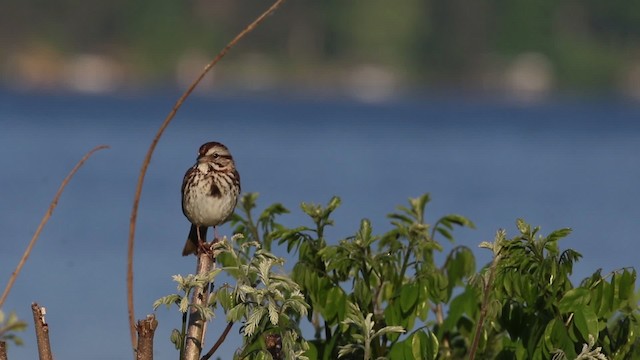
column 529, row 79
column 369, row 51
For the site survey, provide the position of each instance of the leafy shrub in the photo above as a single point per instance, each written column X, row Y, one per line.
column 383, row 296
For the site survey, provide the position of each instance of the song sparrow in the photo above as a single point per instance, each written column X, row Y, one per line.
column 209, row 193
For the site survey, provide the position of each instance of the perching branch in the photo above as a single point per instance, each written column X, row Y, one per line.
column 197, row 323
column 146, row 329
column 44, row 221
column 154, row 143
column 42, row 332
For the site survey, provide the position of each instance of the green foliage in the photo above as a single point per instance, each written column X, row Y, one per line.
column 392, row 279
column 589, row 43
column 9, row 325
column 365, row 332
column 371, row 296
column 384, row 296
column 537, row 312
column 265, row 302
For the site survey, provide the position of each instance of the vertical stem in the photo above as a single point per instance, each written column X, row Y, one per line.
column 486, row 288
column 197, row 323
column 3, row 350
column 367, row 348
column 146, row 329
column 183, row 331
column 446, row 347
column 42, row 332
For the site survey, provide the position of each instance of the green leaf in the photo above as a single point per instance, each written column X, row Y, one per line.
column 523, row 227
column 362, row 292
column 417, row 350
column 401, row 350
column 387, row 329
column 166, row 300
column 225, row 298
column 559, row 234
column 236, row 313
column 274, row 209
column 176, row 339
column 312, row 351
column 444, row 232
column 459, row 265
column 401, row 217
column 253, row 320
column 612, row 290
column 627, row 285
column 555, row 337
column 274, row 316
column 364, row 234
column 598, row 299
column 393, row 316
column 458, row 220
column 408, row 297
column 335, row 305
column 573, row 299
column 586, row 321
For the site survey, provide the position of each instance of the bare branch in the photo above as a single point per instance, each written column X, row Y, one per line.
column 44, row 220
column 156, row 139
column 42, row 332
column 197, row 323
column 3, row 350
column 146, row 329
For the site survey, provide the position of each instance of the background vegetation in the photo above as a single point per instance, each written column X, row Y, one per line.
column 589, row 44
column 396, row 296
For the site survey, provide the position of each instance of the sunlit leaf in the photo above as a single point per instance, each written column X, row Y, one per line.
column 444, row 232
column 627, row 285
column 574, row 298
column 586, row 321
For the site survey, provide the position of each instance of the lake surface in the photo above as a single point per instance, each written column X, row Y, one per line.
column 567, row 163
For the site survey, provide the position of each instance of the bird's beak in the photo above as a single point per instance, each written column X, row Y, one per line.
column 203, row 158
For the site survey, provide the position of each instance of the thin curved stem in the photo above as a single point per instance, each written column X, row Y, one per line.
column 44, row 221
column 221, row 339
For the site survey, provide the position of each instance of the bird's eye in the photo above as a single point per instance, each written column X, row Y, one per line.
column 216, row 155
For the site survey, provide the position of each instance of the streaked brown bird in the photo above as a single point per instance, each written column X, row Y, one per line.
column 210, row 192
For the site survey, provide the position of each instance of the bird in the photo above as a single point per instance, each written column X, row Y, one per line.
column 210, row 191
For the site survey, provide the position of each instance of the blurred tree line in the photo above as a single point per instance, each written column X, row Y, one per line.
column 590, row 43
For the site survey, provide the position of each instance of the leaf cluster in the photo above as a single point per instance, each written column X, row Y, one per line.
column 266, row 303
column 535, row 312
column 376, row 296
column 391, row 279
column 9, row 325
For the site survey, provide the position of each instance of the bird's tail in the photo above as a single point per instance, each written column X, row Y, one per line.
column 191, row 247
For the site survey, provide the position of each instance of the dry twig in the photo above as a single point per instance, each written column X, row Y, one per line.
column 154, row 143
column 44, row 220
column 42, row 332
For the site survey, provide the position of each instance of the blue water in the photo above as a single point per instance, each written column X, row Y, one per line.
column 567, row 163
